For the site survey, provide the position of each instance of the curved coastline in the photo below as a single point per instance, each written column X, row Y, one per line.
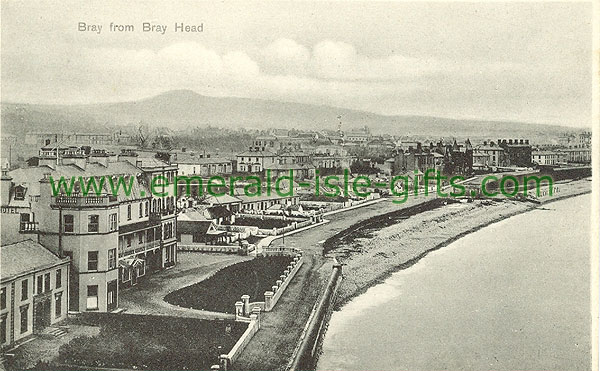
column 572, row 189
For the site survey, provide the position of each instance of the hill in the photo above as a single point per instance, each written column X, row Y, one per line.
column 182, row 109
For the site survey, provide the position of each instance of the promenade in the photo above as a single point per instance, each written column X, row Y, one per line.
column 272, row 347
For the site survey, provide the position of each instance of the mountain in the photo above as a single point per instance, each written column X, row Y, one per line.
column 182, row 109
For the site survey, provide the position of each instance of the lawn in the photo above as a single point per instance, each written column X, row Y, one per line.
column 151, row 342
column 220, row 292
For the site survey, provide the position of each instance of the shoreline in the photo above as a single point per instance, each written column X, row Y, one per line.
column 572, row 189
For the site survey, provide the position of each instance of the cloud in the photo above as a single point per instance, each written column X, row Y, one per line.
column 286, row 56
column 330, row 72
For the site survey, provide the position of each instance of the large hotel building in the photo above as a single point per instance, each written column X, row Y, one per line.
column 111, row 240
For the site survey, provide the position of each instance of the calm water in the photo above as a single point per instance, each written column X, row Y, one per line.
column 512, row 296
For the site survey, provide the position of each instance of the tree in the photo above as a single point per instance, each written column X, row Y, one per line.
column 143, row 135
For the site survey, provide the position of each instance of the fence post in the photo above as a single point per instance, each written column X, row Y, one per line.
column 246, row 301
column 223, row 362
column 268, row 300
column 239, row 309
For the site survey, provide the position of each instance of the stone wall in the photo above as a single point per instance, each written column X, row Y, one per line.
column 227, row 360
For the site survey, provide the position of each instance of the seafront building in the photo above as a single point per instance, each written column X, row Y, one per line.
column 518, row 151
column 548, row 157
column 112, row 240
column 34, row 290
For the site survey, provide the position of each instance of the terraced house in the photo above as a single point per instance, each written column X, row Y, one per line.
column 33, row 290
column 113, row 240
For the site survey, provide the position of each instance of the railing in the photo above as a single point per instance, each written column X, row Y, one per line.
column 156, row 215
column 85, row 200
column 25, row 227
column 135, row 249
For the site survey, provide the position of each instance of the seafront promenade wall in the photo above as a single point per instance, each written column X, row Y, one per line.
column 305, row 353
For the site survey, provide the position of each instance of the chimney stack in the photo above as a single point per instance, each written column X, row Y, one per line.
column 5, row 184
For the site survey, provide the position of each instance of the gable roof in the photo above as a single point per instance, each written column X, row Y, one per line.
column 24, row 257
column 194, row 227
column 218, row 211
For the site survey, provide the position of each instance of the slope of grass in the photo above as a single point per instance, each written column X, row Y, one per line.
column 220, row 292
column 152, row 342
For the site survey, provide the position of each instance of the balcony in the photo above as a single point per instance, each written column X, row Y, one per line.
column 157, row 215
column 28, row 227
column 90, row 201
column 140, row 248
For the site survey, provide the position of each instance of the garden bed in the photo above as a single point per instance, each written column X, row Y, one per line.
column 150, row 342
column 220, row 292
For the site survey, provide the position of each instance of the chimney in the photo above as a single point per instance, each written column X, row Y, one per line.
column 510, row 141
column 526, row 141
column 183, row 149
column 5, row 183
column 46, row 189
column 520, row 141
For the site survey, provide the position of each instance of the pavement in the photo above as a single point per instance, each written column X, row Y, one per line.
column 45, row 347
column 273, row 345
column 192, row 267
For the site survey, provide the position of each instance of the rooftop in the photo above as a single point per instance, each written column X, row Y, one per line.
column 26, row 256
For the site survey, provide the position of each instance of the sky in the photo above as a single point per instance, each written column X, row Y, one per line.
column 519, row 61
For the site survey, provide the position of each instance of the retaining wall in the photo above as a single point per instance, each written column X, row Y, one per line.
column 244, row 307
column 227, row 360
column 226, row 249
column 305, row 353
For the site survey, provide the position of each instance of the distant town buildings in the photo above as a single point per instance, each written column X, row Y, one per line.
column 54, row 138
column 517, row 151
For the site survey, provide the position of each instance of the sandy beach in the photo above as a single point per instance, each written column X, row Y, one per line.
column 371, row 254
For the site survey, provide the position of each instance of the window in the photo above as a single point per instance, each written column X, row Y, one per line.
column 3, row 331
column 24, row 289
column 112, row 259
column 141, row 213
column 24, row 318
column 58, row 304
column 128, row 238
column 146, row 208
column 40, row 284
column 141, row 238
column 46, row 282
column 92, row 297
column 3, row 298
column 92, row 260
column 19, row 193
column 112, row 222
column 68, row 223
column 128, row 212
column 58, row 278
column 93, row 223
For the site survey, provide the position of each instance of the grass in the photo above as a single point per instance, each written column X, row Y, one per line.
column 220, row 292
column 150, row 342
